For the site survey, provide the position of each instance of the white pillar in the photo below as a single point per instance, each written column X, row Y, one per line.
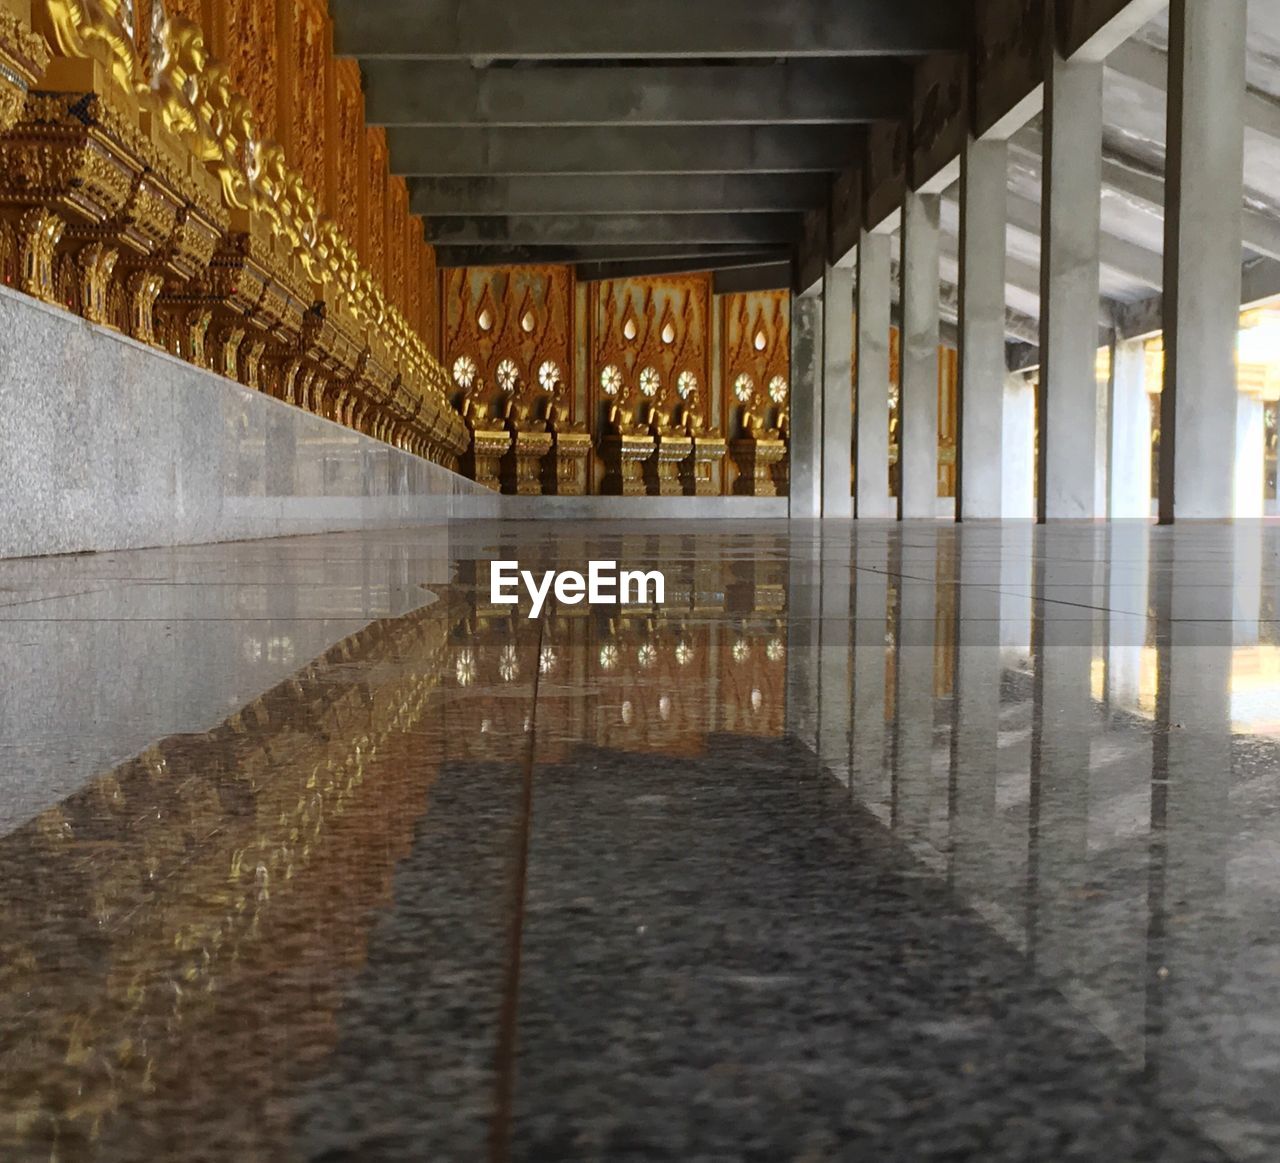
column 918, row 440
column 837, row 392
column 1129, row 468
column 1018, row 484
column 984, row 175
column 871, row 458
column 805, row 492
column 1204, row 208
column 1250, row 484
column 1070, row 241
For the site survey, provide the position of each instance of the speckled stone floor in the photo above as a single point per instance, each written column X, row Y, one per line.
column 869, row 843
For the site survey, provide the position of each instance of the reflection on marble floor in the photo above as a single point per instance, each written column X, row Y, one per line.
column 932, row 843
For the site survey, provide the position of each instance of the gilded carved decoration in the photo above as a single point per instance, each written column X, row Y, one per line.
column 373, row 193
column 141, row 186
column 756, row 389
column 23, row 58
column 508, row 343
column 348, row 129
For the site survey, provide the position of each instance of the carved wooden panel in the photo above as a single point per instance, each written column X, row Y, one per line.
column 757, row 358
column 373, row 195
column 302, row 100
column 508, row 318
column 397, row 224
column 252, row 57
column 430, row 300
column 658, row 325
column 343, row 202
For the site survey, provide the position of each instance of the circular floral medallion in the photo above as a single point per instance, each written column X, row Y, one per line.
column 547, row 660
column 686, row 384
column 778, row 389
column 744, row 387
column 465, row 668
column 509, row 664
column 684, row 653
column 508, row 375
column 650, row 381
column 549, row 375
column 464, row 371
column 611, row 380
column 775, row 650
column 741, row 650
column 647, row 654
column 608, row 656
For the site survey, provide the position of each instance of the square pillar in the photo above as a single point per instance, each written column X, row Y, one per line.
column 1070, row 241
column 1129, row 468
column 874, row 305
column 984, row 205
column 1018, row 470
column 918, row 442
column 805, row 492
column 1203, row 224
column 837, row 392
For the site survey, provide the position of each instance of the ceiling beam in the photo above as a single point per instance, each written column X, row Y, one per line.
column 631, row 150
column 773, row 276
column 807, row 92
column 625, row 268
column 703, row 255
column 1146, row 64
column 1261, row 231
column 443, row 29
column 616, row 194
column 621, row 229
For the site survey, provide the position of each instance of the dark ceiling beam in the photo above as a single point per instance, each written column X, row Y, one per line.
column 442, row 29
column 615, row 194
column 807, row 92
column 701, row 255
column 772, row 276
column 631, row 150
column 625, row 268
column 621, row 229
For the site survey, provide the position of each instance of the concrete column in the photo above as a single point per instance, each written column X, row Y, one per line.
column 1070, row 240
column 920, row 326
column 871, row 456
column 1129, row 465
column 806, row 407
column 1018, row 472
column 837, row 391
column 984, row 170
column 1250, row 483
column 1204, row 208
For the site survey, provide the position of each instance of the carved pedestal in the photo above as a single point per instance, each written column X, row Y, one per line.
column 483, row 459
column 700, row 471
column 564, row 472
column 521, row 467
column 662, row 469
column 755, row 460
column 624, row 458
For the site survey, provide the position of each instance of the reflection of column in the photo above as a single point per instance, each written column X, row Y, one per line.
column 805, row 490
column 837, row 392
column 1062, row 729
column 1246, row 590
column 871, row 611
column 1190, row 807
column 804, row 608
column 1018, row 483
column 874, row 301
column 913, row 715
column 835, row 682
column 1128, row 595
column 1017, row 544
column 976, row 707
column 918, row 441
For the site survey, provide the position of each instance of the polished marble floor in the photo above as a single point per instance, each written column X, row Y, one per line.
column 869, row 843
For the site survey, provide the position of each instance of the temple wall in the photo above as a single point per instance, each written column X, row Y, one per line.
column 106, row 443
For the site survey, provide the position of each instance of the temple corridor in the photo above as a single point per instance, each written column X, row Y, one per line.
column 872, row 841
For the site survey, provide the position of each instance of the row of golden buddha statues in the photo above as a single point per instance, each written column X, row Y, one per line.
column 646, row 415
column 138, row 191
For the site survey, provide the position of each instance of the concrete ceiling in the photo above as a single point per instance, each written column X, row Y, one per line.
column 706, row 134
